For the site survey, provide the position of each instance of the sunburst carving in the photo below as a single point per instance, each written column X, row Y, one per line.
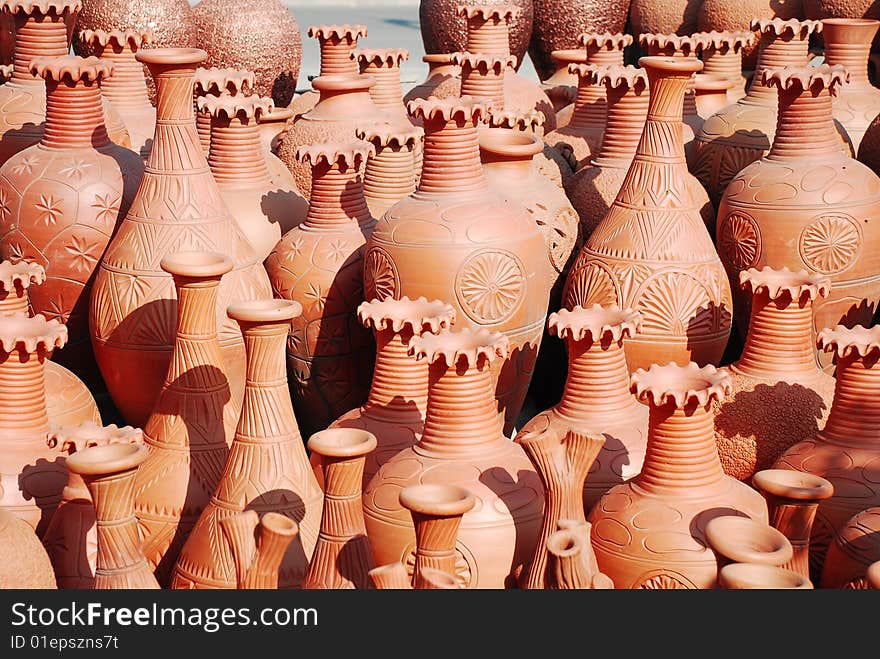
column 490, row 286
column 830, row 244
column 590, row 285
column 677, row 304
column 380, row 276
column 739, row 241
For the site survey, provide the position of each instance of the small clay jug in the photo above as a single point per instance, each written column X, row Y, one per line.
column 343, row 557
column 711, row 93
column 853, row 552
column 650, row 531
column 395, row 409
column 571, row 562
column 216, row 81
column 194, row 418
column 736, row 539
column 273, row 125
column 390, row 174
column 722, row 55
column 259, row 545
column 806, row 204
column 845, row 451
column 320, row 264
column 652, row 251
column 779, row 394
column 263, row 211
column 109, row 473
column 751, row 576
column 462, row 443
column 266, row 469
column 24, row 562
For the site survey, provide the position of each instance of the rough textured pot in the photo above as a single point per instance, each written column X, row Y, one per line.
column 215, row 81
column 711, row 93
column 846, row 450
column 652, row 251
column 596, row 398
column 561, row 85
column 736, row 539
column 666, row 16
column 177, row 207
column 64, row 197
column 258, row 35
column 650, row 531
column 109, row 473
column 779, row 394
column 751, row 576
column 455, row 239
column 343, row 557
column 263, row 211
column 853, row 552
column 68, row 400
column 572, row 562
column 194, row 418
column 395, row 409
column 463, row 443
column 820, row 9
column 806, row 205
column 390, row 175
column 24, row 562
column 259, row 545
column 273, row 125
column 722, row 55
column 320, row 265
column 266, row 470
column 792, row 500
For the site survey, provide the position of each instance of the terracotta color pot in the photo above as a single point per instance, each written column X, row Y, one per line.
column 657, row 256
column 846, row 450
column 572, row 561
column 750, row 576
column 667, row 16
column 64, row 198
column 177, row 207
column 853, row 552
column 263, row 211
column 455, row 239
column 273, row 125
column 561, row 85
column 779, row 395
column 596, row 398
column 736, row 539
column 24, row 562
column 462, row 443
column 650, row 532
column 395, row 409
column 68, row 400
column 722, row 55
column 579, row 139
column 711, row 93
column 257, row 561
column 821, row 9
column 390, row 174
column 792, row 500
column 442, row 79
column 395, row 577
column 216, row 82
column 806, row 205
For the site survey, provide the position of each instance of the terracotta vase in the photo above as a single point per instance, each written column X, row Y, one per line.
column 64, row 197
column 71, row 538
column 821, row 9
column 736, row 539
column 320, row 265
column 722, row 55
column 572, row 562
column 456, row 239
column 853, row 552
column 751, row 576
column 561, row 85
column 596, row 398
column 442, row 79
column 594, row 187
column 663, row 16
column 263, row 211
column 579, row 139
column 652, row 251
column 24, row 562
column 178, row 207
column 126, row 88
column 216, row 82
column 711, row 93
column 792, row 500
column 395, row 409
column 390, row 175
column 779, row 394
column 194, row 418
column 257, row 561
column 650, row 532
column 462, row 444
column 805, row 205
column 343, row 557
column 395, row 577
column 109, row 473
column 68, row 400
column 273, row 125
column 846, row 449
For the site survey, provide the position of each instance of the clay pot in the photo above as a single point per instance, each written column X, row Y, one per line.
column 263, row 211
column 750, row 576
column 845, row 451
column 126, row 88
column 596, row 398
column 722, row 55
column 853, row 552
column 650, row 532
column 711, row 93
column 736, row 539
column 462, row 443
column 792, row 500
column 657, row 257
column 109, row 473
column 779, row 394
column 572, row 562
column 194, row 418
column 394, row 576
column 257, row 561
column 395, row 409
column 68, row 400
column 390, row 174
column 456, row 239
column 258, row 35
column 178, row 206
column 24, row 562
column 821, row 9
column 803, row 205
column 579, row 139
column 561, row 85
column 667, row 16
column 273, row 125
column 216, row 82
column 442, row 79
column 64, row 198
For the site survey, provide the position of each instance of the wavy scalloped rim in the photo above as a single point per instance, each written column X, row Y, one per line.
column 42, row 6
column 615, row 75
column 844, row 341
column 776, row 282
column 586, row 72
column 454, row 346
column 523, row 120
column 48, row 334
column 351, row 32
column 464, row 108
column 71, row 67
column 229, row 106
column 23, row 273
column 815, row 78
column 681, row 385
column 797, row 28
column 610, row 40
column 484, row 61
column 389, row 57
column 348, row 154
column 133, row 38
column 390, row 135
column 420, row 315
column 488, row 12
column 216, row 80
column 734, row 41
column 595, row 323
column 70, row 439
column 686, row 44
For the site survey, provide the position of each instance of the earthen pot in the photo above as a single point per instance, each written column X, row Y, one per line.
column 390, row 174
column 711, row 93
column 667, row 16
column 320, row 264
column 178, row 206
column 579, row 139
column 722, row 55
column 853, row 552
column 821, row 9
column 64, row 198
column 737, row 539
column 273, row 125
column 845, row 451
column 572, row 562
column 259, row 545
column 669, row 272
column 24, row 562
column 442, row 79
column 462, row 444
column 215, row 81
column 561, row 85
column 752, row 576
column 456, row 239
column 263, row 211
column 806, row 204
column 650, row 532
column 779, row 394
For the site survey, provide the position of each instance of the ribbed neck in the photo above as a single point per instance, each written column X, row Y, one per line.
column 435, row 542
column 38, row 35
column 14, row 301
column 119, row 548
column 127, row 87
column 854, row 56
column 236, row 155
column 491, row 37
column 337, row 197
column 203, row 128
column 399, row 391
column 264, row 346
column 483, row 83
column 451, row 161
column 175, row 135
column 343, row 514
column 804, row 126
column 624, row 123
column 389, row 176
column 597, row 385
column 854, row 419
column 74, row 115
column 23, row 396
column 662, row 140
column 605, row 56
column 336, row 56
column 386, row 92
column 589, row 105
column 726, row 63
column 774, row 53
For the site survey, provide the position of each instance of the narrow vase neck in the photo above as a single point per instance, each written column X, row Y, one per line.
column 605, row 56
column 337, row 198
column 485, row 86
column 597, row 385
column 14, row 301
column 127, row 87
column 386, row 92
column 775, row 53
column 794, row 519
column 38, row 35
column 589, row 106
column 726, row 63
column 661, row 140
column 689, row 104
column 389, row 176
column 336, row 57
column 343, row 516
column 624, row 123
column 203, row 128
column 264, row 344
column 491, row 37
column 23, row 397
column 176, row 147
column 119, row 548
column 435, row 542
column 451, row 159
column 399, row 390
column 854, row 419
column 804, row 127
column 74, row 116
column 236, row 155
column 854, row 56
